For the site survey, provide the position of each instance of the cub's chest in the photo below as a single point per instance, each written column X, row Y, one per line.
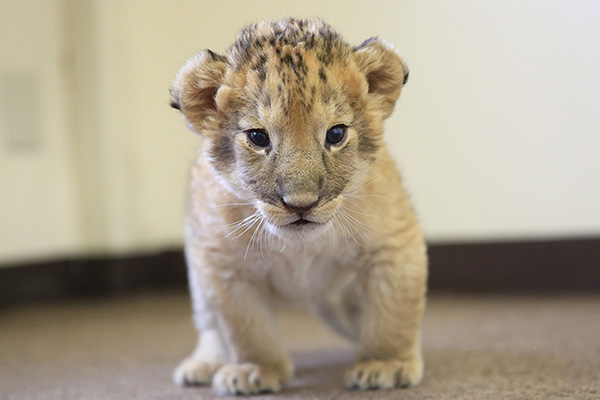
column 304, row 276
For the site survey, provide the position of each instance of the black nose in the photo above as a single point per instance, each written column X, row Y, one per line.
column 299, row 206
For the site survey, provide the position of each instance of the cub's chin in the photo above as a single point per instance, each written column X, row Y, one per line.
column 301, row 229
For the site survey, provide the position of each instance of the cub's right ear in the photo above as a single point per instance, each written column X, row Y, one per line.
column 195, row 87
column 385, row 71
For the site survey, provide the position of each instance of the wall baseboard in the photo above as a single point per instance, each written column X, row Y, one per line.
column 93, row 277
column 567, row 265
column 549, row 266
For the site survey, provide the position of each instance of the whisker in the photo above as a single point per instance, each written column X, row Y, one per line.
column 347, row 206
column 343, row 222
column 240, row 225
column 361, row 228
column 356, row 220
column 365, row 184
column 272, row 241
column 262, row 237
column 241, row 221
column 250, row 243
column 283, row 248
column 358, row 223
column 245, row 226
column 230, row 204
column 334, row 235
column 354, row 198
column 370, row 195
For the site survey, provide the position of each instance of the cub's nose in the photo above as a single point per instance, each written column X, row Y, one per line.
column 300, row 205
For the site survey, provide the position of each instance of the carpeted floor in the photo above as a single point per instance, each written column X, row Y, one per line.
column 475, row 348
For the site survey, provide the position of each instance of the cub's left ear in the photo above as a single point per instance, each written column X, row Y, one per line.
column 195, row 88
column 385, row 71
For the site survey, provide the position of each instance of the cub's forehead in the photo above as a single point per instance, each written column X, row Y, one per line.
column 299, row 67
column 280, row 40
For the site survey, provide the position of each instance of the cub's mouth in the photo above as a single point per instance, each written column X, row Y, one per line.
column 287, row 225
column 302, row 224
column 301, row 221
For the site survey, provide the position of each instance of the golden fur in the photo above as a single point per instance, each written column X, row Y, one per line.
column 358, row 259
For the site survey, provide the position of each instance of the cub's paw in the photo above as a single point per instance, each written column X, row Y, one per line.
column 249, row 378
column 194, row 372
column 384, row 374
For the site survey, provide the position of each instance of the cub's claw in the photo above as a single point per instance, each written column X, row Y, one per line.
column 246, row 379
column 194, row 372
column 384, row 374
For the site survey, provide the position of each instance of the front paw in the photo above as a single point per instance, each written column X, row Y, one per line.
column 250, row 378
column 388, row 374
column 193, row 371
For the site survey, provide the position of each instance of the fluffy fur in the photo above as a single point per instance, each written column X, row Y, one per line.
column 358, row 260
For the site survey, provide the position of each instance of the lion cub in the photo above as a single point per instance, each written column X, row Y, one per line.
column 293, row 196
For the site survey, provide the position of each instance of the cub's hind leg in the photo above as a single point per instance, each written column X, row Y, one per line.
column 341, row 310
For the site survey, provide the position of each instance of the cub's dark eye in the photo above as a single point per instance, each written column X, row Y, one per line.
column 259, row 137
column 336, row 134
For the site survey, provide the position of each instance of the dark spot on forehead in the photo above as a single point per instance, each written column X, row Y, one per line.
column 260, row 67
column 262, row 73
column 299, row 66
column 260, row 61
column 322, row 75
column 309, row 41
column 287, row 59
column 324, row 57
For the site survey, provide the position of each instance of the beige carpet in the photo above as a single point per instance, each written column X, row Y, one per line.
column 475, row 348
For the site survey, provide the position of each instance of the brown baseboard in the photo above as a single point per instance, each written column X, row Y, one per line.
column 93, row 277
column 548, row 266
column 568, row 265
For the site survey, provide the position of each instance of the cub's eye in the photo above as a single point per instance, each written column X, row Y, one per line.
column 259, row 137
column 336, row 134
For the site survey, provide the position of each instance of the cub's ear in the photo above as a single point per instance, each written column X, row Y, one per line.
column 385, row 71
column 196, row 86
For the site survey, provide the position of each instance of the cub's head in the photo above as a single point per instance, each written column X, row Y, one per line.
column 292, row 115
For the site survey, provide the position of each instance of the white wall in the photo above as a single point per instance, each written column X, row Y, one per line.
column 501, row 123
column 497, row 132
column 38, row 208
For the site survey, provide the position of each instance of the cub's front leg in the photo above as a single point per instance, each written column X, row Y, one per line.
column 200, row 367
column 389, row 349
column 244, row 354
